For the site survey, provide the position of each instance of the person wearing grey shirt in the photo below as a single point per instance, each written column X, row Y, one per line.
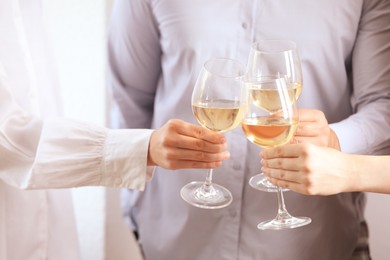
column 156, row 49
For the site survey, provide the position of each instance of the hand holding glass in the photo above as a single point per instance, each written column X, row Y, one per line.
column 218, row 102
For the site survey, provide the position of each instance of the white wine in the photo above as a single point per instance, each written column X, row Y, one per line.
column 218, row 115
column 297, row 87
column 269, row 132
column 267, row 97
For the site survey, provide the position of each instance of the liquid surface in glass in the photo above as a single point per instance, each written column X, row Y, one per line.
column 269, row 132
column 268, row 98
column 218, row 115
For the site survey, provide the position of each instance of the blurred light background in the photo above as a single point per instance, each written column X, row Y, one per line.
column 78, row 30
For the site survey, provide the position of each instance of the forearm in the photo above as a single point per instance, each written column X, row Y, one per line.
column 372, row 173
column 65, row 153
column 367, row 131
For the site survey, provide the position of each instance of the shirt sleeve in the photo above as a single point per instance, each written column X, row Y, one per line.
column 134, row 55
column 368, row 129
column 60, row 153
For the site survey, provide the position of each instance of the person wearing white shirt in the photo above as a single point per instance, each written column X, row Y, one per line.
column 40, row 151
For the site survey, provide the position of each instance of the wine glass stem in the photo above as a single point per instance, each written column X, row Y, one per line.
column 207, row 184
column 282, row 211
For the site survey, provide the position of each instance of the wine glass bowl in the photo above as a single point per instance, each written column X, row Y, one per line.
column 218, row 103
column 269, row 121
column 277, row 58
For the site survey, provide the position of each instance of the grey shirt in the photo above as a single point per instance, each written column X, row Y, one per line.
column 156, row 50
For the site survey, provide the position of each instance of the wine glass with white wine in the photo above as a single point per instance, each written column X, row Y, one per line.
column 218, row 103
column 274, row 59
column 270, row 121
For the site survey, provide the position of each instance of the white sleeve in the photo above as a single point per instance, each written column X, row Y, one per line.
column 60, row 153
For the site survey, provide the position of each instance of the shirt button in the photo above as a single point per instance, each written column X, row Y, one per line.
column 236, row 167
column 244, row 25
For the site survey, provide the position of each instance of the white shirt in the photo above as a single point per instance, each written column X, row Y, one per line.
column 39, row 150
column 156, row 51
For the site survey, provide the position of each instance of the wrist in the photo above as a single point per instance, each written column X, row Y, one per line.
column 333, row 141
column 354, row 179
column 149, row 159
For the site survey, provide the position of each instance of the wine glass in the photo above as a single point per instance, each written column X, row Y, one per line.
column 270, row 121
column 218, row 101
column 274, row 58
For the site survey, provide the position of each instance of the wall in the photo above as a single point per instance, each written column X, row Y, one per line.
column 78, row 33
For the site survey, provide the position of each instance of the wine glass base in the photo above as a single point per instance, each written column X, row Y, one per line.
column 260, row 182
column 214, row 197
column 285, row 223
